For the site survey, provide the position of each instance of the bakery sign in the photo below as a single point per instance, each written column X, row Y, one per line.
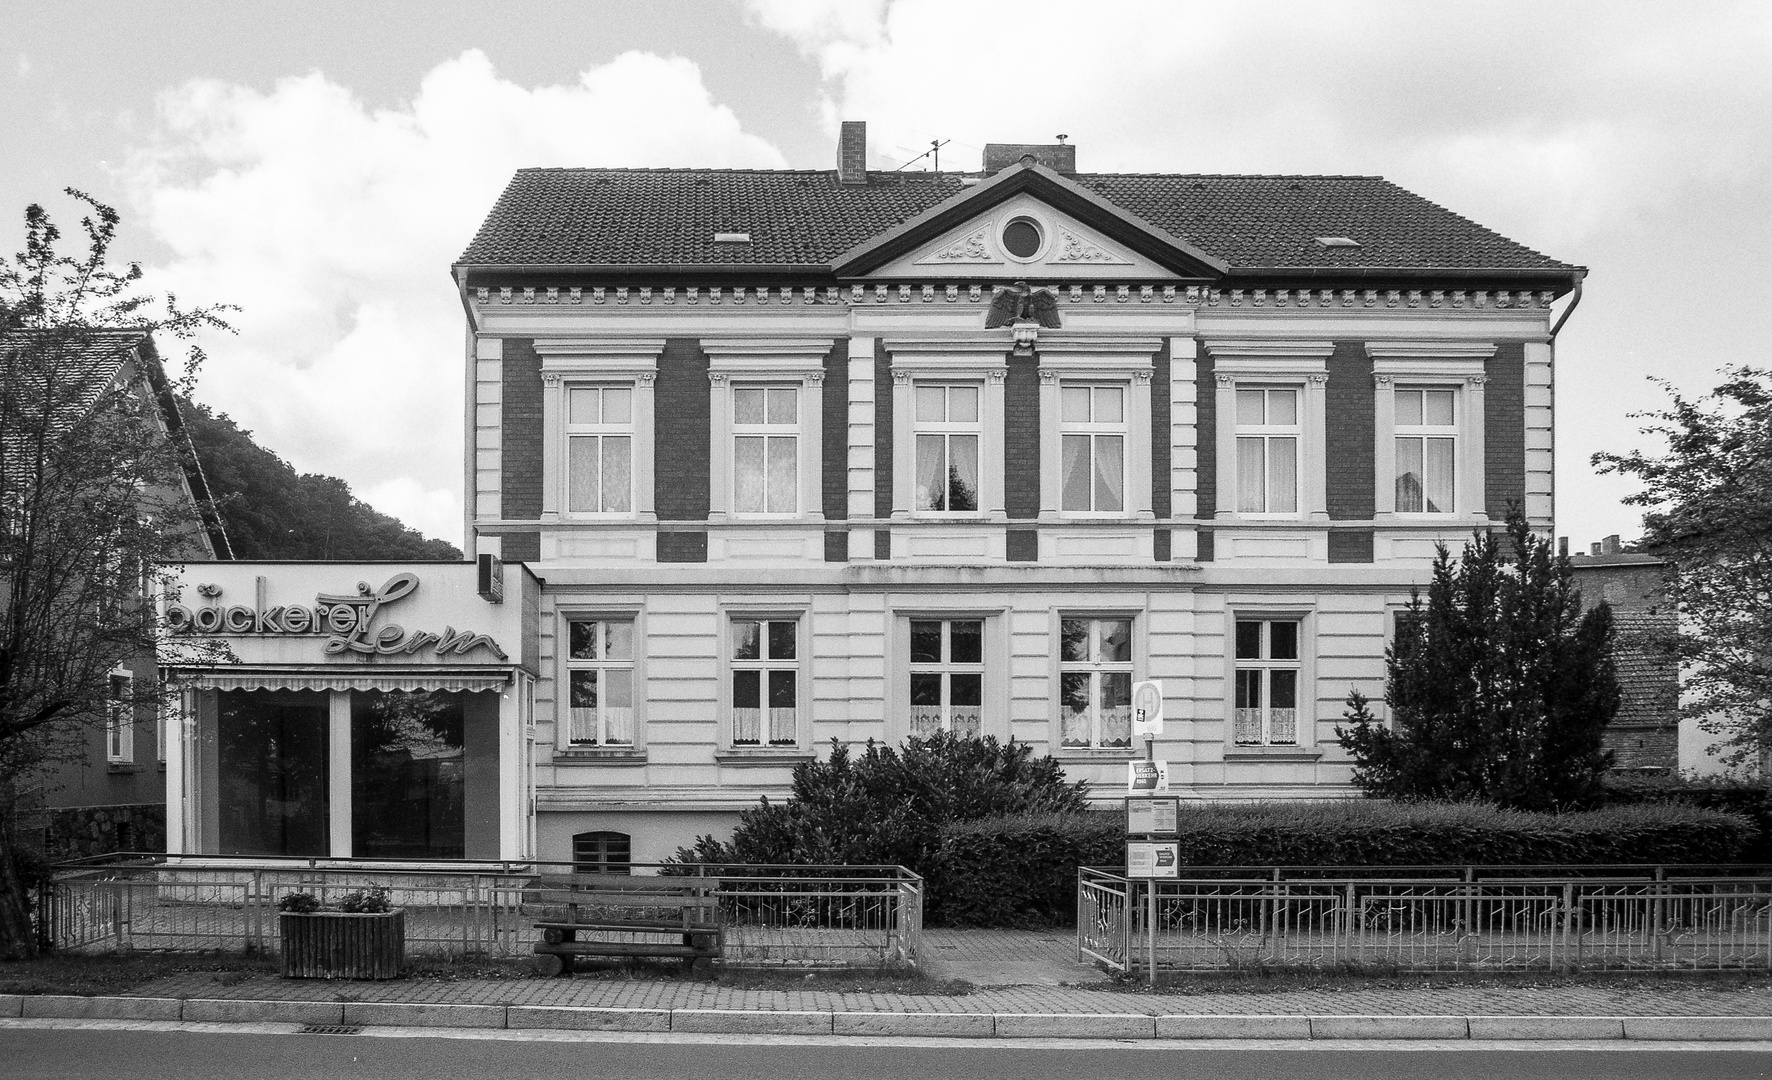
column 348, row 622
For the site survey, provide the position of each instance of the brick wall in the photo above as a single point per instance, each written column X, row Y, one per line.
column 680, row 433
column 1349, row 437
column 521, row 547
column 1350, row 545
column 520, row 416
column 1160, row 433
column 1206, row 447
column 1021, row 438
column 682, row 546
column 1504, row 430
column 835, row 451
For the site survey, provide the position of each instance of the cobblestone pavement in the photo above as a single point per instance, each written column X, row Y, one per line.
column 1080, row 991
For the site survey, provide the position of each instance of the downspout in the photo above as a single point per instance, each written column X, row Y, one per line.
column 1574, row 302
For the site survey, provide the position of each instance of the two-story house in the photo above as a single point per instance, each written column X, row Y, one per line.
column 805, row 455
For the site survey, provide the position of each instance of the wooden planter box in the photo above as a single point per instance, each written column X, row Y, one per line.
column 342, row 944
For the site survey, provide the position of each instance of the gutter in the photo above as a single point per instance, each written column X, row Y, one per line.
column 1574, row 302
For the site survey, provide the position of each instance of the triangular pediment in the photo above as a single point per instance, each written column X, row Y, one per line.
column 1062, row 247
column 1028, row 222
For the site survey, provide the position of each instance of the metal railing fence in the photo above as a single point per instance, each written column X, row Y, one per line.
column 849, row 916
column 1477, row 918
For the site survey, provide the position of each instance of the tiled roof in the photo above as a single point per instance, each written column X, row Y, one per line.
column 80, row 366
column 653, row 217
column 1648, row 676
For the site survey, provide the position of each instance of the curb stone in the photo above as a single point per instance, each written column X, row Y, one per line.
column 102, row 1008
column 236, row 1011
column 1076, row 1026
column 416, row 1014
column 1546, row 1027
column 12, row 1005
column 585, row 1018
column 1704, row 1028
column 1233, row 1027
column 1390, row 1027
column 742, row 1022
column 916, row 1025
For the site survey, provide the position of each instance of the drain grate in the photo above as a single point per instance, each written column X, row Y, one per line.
column 331, row 1029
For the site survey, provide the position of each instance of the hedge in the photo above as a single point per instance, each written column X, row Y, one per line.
column 1750, row 799
column 1021, row 870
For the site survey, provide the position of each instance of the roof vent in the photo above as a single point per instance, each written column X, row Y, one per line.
column 732, row 238
column 1337, row 241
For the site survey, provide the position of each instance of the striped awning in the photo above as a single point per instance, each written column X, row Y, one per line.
column 346, row 680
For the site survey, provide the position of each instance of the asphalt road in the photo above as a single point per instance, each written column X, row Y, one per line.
column 188, row 1055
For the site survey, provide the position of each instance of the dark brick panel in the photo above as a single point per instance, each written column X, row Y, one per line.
column 1160, row 414
column 883, row 544
column 1204, row 546
column 882, row 432
column 1504, row 430
column 1022, row 545
column 1021, row 439
column 1350, row 545
column 1349, row 437
column 836, row 547
column 520, row 420
column 1206, row 444
column 836, row 431
column 681, row 459
column 521, row 547
column 682, row 547
column 1160, row 545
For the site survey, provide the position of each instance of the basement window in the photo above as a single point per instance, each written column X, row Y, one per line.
column 732, row 238
column 1337, row 242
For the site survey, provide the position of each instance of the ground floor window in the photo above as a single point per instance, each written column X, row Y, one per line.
column 947, row 677
column 601, row 853
column 765, row 682
column 1267, row 667
column 408, row 785
column 271, row 758
column 1095, row 682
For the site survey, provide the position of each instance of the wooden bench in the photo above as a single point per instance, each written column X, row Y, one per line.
column 618, row 915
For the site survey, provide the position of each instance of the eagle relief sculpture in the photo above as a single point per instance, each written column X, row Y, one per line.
column 1025, row 310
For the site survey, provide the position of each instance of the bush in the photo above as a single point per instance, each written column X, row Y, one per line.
column 1021, row 870
column 888, row 806
column 301, row 903
column 1749, row 798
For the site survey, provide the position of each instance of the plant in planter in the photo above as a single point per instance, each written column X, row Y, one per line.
column 362, row 936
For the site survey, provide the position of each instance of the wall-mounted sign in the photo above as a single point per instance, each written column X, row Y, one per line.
column 1147, row 709
column 1147, row 860
column 1144, row 777
column 1152, row 817
column 345, row 620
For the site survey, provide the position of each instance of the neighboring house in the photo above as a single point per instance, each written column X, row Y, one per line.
column 112, row 796
column 1646, row 735
column 795, row 459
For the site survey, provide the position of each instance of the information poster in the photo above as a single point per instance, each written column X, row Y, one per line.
column 1153, row 860
column 1152, row 817
column 1147, row 776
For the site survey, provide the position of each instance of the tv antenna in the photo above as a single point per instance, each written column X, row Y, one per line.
column 933, row 152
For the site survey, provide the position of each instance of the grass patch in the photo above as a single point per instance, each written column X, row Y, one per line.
column 120, row 973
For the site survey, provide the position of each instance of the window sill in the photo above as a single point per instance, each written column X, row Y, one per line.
column 1272, row 753
column 1080, row 754
column 598, row 755
column 768, row 755
column 122, row 768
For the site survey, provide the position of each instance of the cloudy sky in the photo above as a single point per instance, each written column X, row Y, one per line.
column 321, row 164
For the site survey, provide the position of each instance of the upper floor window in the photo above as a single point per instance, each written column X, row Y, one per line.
column 947, row 422
column 120, row 718
column 600, row 449
column 1268, row 432
column 1095, row 682
column 765, row 682
column 1267, row 674
column 600, row 681
column 1427, row 450
column 947, row 676
column 765, row 449
column 1092, row 448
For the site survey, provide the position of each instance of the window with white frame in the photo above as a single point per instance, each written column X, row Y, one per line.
column 600, row 682
column 120, row 718
column 1268, row 432
column 1267, row 675
column 765, row 682
column 1427, row 450
column 765, row 449
column 1095, row 682
column 600, row 449
column 947, row 677
column 1092, row 448
column 948, row 433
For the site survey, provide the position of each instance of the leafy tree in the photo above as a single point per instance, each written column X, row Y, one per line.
column 97, row 504
column 273, row 512
column 888, row 806
column 1499, row 686
column 1709, row 500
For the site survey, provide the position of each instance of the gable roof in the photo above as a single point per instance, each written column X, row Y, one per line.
column 665, row 220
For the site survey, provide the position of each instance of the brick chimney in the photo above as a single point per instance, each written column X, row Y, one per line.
column 852, row 153
column 1612, row 545
column 1059, row 157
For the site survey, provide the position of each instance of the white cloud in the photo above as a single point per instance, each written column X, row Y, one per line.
column 333, row 226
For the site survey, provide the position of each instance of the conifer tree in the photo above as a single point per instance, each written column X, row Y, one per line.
column 1499, row 686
